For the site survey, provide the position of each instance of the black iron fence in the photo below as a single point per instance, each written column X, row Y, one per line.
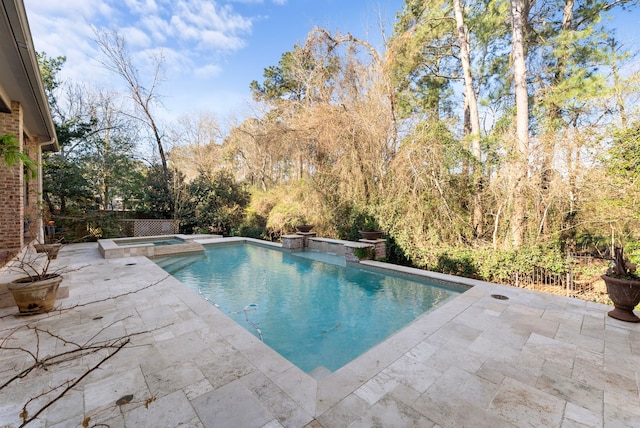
column 580, row 279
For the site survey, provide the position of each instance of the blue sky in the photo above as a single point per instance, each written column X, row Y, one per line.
column 213, row 49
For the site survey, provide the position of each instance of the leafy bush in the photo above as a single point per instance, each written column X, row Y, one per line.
column 215, row 204
column 485, row 263
column 632, row 251
column 457, row 262
column 499, row 266
column 256, row 232
column 363, row 253
column 395, row 253
column 11, row 155
column 284, row 217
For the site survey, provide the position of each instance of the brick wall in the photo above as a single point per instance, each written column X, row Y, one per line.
column 11, row 188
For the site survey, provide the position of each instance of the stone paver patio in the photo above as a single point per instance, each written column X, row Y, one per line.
column 534, row 360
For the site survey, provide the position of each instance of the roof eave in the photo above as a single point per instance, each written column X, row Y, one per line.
column 17, row 18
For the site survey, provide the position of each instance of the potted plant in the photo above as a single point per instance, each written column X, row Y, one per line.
column 623, row 287
column 304, row 228
column 302, row 225
column 35, row 292
column 50, row 248
column 370, row 230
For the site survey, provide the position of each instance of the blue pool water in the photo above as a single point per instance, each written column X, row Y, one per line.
column 310, row 307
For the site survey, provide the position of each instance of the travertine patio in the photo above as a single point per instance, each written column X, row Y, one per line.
column 533, row 360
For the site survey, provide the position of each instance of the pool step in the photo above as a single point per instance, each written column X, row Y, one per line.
column 173, row 264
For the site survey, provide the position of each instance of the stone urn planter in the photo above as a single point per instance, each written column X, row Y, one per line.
column 304, row 228
column 371, row 235
column 625, row 295
column 37, row 294
column 50, row 249
column 623, row 287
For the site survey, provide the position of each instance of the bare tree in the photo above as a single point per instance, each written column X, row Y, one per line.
column 196, row 144
column 118, row 60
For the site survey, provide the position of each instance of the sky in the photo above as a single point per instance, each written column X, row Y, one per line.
column 212, row 49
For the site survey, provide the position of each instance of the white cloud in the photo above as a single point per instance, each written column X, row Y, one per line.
column 278, row 2
column 220, row 40
column 61, row 34
column 202, row 24
column 135, row 37
column 142, row 7
column 79, row 9
column 198, row 19
column 191, row 35
column 207, row 71
column 182, row 29
column 157, row 27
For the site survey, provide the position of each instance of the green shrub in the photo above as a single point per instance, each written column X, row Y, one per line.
column 457, row 262
column 632, row 251
column 363, row 253
column 256, row 232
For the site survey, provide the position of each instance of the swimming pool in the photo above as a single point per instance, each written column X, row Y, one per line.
column 312, row 308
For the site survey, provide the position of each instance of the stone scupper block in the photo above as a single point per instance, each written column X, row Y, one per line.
column 356, row 251
column 293, row 242
column 380, row 247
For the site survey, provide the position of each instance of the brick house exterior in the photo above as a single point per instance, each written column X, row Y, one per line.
column 24, row 113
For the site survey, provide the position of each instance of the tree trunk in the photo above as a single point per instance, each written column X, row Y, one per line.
column 554, row 118
column 518, row 216
column 471, row 104
column 615, row 72
column 158, row 138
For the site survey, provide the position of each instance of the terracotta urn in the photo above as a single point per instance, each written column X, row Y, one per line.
column 35, row 296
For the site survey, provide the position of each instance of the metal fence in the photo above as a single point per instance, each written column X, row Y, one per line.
column 581, row 279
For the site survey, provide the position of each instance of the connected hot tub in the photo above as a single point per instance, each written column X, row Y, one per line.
column 151, row 246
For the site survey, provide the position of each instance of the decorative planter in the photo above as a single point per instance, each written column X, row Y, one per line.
column 371, row 235
column 50, row 249
column 625, row 295
column 304, row 228
column 35, row 297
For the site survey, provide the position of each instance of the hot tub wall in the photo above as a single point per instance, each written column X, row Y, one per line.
column 110, row 250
